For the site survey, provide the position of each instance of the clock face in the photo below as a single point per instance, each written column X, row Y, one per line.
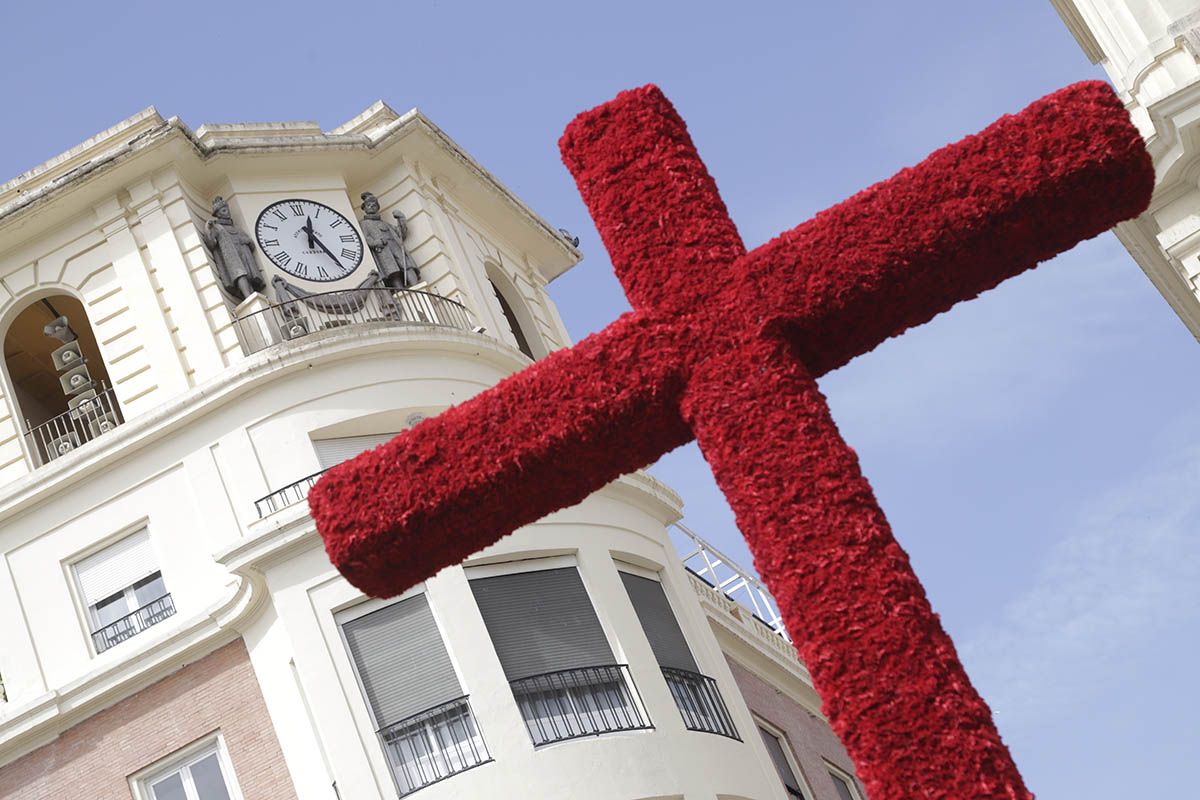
column 309, row 240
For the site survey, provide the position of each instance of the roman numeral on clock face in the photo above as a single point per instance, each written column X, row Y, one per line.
column 347, row 253
column 297, row 209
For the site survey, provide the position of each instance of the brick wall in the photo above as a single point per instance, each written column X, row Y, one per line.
column 92, row 761
column 811, row 739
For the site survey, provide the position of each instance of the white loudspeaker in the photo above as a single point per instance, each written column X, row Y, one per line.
column 67, row 356
column 76, row 381
column 102, row 424
column 62, row 445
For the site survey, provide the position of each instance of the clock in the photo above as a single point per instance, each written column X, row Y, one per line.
column 309, row 240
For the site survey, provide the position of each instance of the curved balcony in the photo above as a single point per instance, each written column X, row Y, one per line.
column 586, row 701
column 700, row 702
column 267, row 325
column 433, row 745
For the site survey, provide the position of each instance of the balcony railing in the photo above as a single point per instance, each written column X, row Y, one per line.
column 587, row 701
column 723, row 573
column 295, row 319
column 289, row 495
column 131, row 625
column 432, row 745
column 700, row 702
column 92, row 416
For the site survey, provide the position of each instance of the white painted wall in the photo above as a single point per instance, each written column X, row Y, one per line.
column 210, row 429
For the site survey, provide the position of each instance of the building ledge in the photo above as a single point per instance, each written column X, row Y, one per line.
column 47, row 483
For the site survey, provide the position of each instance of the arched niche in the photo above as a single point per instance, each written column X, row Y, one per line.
column 60, row 403
column 515, row 313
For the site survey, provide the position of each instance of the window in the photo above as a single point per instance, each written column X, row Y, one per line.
column 123, row 591
column 783, row 765
column 510, row 317
column 556, row 656
column 843, row 783
column 696, row 695
column 421, row 715
column 203, row 774
column 331, row 452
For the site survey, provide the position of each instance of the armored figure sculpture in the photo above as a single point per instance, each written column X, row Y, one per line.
column 386, row 240
column 233, row 252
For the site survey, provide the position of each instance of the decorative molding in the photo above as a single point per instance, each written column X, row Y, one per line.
column 47, row 483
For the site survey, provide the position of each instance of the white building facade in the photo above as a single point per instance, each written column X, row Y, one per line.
column 171, row 626
column 1151, row 52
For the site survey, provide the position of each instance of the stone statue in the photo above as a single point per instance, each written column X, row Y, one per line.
column 233, row 252
column 386, row 241
column 60, row 328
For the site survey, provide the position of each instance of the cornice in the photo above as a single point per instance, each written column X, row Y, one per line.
column 148, row 130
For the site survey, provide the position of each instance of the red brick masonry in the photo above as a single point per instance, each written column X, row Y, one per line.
column 811, row 741
column 93, row 760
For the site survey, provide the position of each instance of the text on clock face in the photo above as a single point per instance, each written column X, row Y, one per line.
column 309, row 240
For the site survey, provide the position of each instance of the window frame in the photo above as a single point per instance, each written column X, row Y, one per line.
column 835, row 771
column 83, row 612
column 345, row 613
column 520, row 563
column 370, row 605
column 140, row 782
column 789, row 753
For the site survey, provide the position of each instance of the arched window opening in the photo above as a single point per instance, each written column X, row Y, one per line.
column 60, row 384
column 513, row 323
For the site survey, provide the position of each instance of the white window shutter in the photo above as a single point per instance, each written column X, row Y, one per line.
column 116, row 567
column 331, row 452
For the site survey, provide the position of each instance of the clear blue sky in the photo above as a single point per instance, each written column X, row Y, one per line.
column 1036, row 450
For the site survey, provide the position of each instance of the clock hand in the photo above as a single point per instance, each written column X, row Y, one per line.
column 329, row 253
column 309, row 230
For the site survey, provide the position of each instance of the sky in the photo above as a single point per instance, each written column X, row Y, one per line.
column 1035, row 449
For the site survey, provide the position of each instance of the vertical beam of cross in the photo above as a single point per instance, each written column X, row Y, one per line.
column 894, row 689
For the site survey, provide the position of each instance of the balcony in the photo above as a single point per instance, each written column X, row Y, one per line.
column 92, row 417
column 131, row 625
column 295, row 319
column 725, row 575
column 295, row 492
column 432, row 745
column 587, row 701
column 700, row 702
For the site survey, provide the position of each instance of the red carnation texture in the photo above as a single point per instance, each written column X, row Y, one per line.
column 724, row 346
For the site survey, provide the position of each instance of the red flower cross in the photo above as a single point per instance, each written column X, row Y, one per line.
column 724, row 345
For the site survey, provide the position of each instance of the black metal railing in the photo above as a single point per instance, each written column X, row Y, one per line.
column 294, row 319
column 93, row 415
column 432, row 745
column 700, row 702
column 287, row 496
column 587, row 701
column 131, row 625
